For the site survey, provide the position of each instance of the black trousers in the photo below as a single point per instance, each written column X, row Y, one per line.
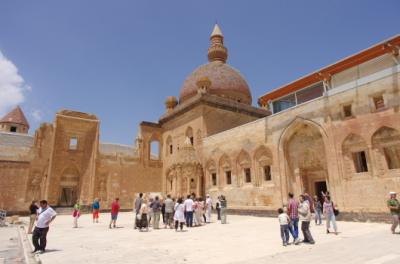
column 305, row 228
column 39, row 239
column 178, row 223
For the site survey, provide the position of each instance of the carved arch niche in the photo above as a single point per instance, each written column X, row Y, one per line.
column 225, row 168
column 355, row 155
column 211, row 174
column 263, row 165
column 244, row 172
column 386, row 148
column 189, row 134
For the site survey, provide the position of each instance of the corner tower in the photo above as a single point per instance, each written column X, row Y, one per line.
column 14, row 122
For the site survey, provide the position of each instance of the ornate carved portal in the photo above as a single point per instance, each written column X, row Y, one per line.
column 306, row 160
column 185, row 175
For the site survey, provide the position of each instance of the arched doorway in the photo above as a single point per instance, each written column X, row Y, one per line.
column 69, row 187
column 305, row 156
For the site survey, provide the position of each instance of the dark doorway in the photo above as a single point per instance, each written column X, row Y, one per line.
column 320, row 187
column 68, row 196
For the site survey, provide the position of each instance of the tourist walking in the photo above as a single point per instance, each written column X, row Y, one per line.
column 169, row 211
column 329, row 213
column 96, row 210
column 318, row 210
column 208, row 209
column 114, row 213
column 224, row 206
column 218, row 207
column 305, row 218
column 284, row 221
column 32, row 215
column 162, row 210
column 189, row 211
column 76, row 213
column 150, row 211
column 142, row 216
column 394, row 207
column 45, row 216
column 293, row 213
column 156, row 208
column 179, row 215
column 198, row 211
column 138, row 205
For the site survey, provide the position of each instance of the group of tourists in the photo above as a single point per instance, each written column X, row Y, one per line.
column 302, row 211
column 196, row 211
column 175, row 212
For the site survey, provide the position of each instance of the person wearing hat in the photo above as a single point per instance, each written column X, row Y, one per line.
column 394, row 207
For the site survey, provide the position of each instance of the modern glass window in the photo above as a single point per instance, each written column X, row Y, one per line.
column 307, row 94
column 284, row 103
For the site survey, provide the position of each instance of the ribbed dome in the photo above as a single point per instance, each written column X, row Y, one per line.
column 225, row 82
column 220, row 78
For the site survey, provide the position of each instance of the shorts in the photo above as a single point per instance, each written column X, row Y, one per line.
column 95, row 213
column 114, row 216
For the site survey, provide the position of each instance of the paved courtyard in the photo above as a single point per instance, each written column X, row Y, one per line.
column 244, row 239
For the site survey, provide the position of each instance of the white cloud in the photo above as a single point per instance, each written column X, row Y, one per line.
column 37, row 115
column 12, row 85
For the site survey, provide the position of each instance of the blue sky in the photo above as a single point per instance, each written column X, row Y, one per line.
column 121, row 59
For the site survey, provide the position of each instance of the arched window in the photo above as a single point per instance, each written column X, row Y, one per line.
column 263, row 158
column 355, row 153
column 386, row 144
column 169, row 147
column 211, row 174
column 244, row 163
column 226, row 169
column 189, row 134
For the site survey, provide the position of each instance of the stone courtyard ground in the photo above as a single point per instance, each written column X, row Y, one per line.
column 245, row 239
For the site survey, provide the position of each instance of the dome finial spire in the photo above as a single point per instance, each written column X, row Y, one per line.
column 217, row 51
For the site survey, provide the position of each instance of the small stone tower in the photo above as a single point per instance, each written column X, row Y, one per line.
column 14, row 122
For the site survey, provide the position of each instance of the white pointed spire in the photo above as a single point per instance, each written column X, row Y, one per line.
column 216, row 31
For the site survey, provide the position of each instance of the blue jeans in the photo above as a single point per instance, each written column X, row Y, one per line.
column 294, row 228
column 285, row 233
column 189, row 219
column 331, row 218
column 318, row 219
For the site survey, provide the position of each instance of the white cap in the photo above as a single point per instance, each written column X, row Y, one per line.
column 391, row 193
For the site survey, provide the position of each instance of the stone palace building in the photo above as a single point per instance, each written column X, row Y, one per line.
column 335, row 129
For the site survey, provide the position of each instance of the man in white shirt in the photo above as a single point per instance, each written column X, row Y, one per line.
column 208, row 209
column 188, row 204
column 45, row 216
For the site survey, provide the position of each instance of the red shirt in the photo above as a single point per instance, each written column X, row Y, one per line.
column 114, row 208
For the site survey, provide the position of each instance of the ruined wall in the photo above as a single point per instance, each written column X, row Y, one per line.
column 124, row 176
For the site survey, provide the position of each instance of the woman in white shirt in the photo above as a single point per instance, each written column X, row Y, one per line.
column 179, row 215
